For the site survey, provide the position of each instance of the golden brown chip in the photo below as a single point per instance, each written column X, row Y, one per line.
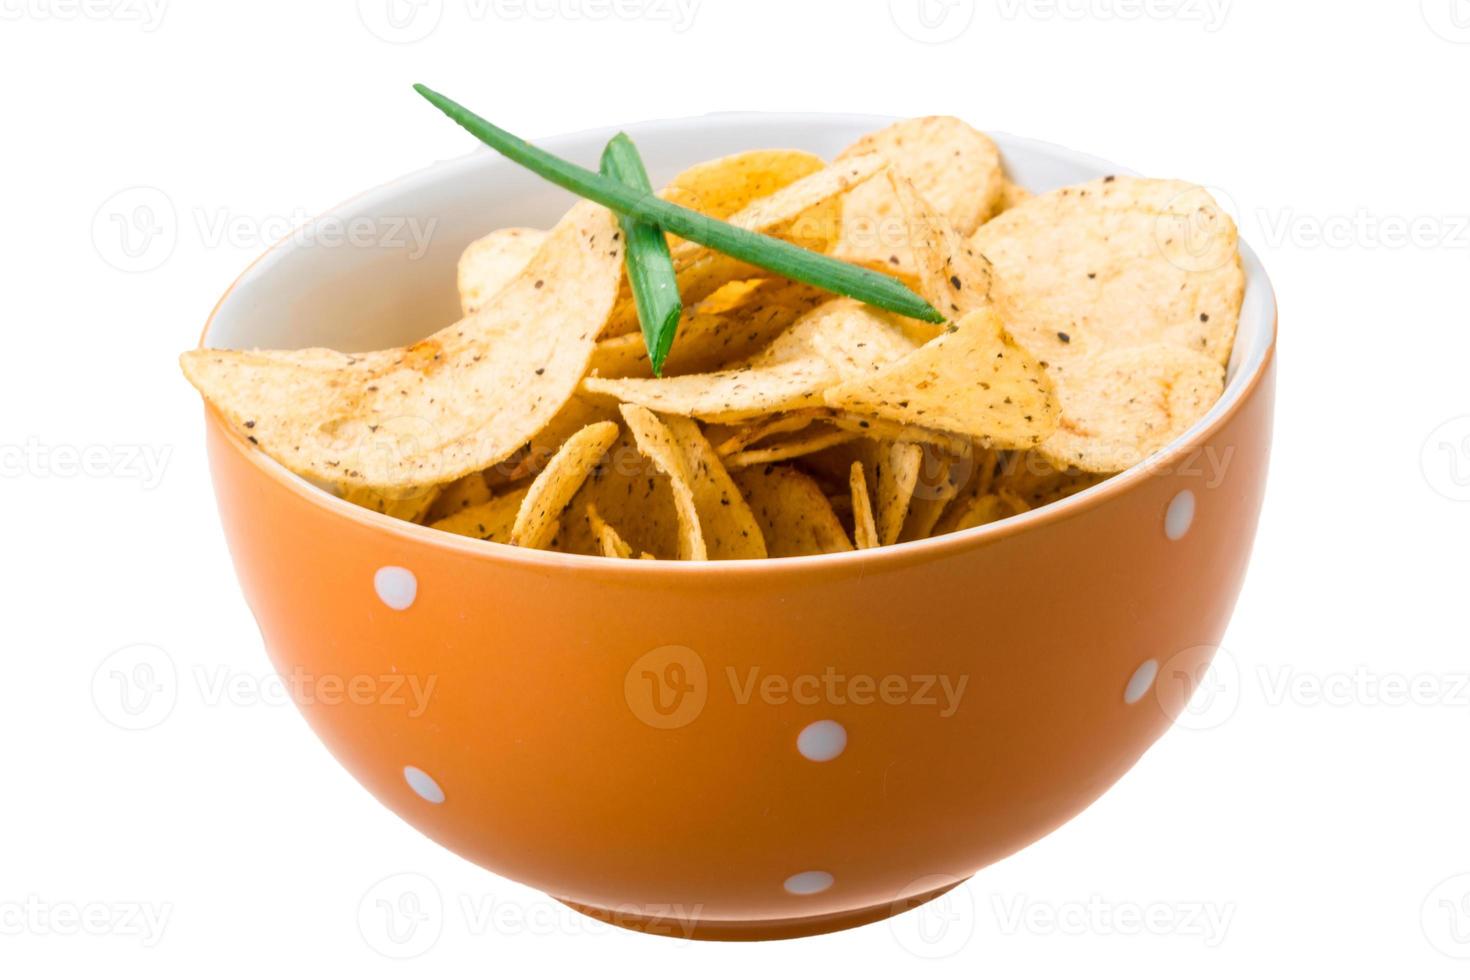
column 657, row 444
column 897, row 474
column 491, row 263
column 888, row 430
column 733, row 438
column 458, row 401
column 701, row 271
column 630, row 494
column 613, row 545
column 1118, row 262
column 808, row 441
column 490, row 521
column 860, row 341
column 579, row 412
column 787, row 375
column 711, row 336
column 864, row 525
column 940, row 477
column 795, row 517
column 467, row 491
column 411, row 505
column 1121, row 405
column 955, row 167
column 555, row 486
column 726, row 185
column 1011, row 195
column 972, row 379
column 984, row 509
column 728, row 527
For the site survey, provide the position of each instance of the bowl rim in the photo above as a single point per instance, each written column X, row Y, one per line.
column 1238, row 390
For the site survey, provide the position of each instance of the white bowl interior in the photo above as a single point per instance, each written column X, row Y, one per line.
column 356, row 297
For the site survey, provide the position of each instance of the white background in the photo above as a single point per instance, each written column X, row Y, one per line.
column 1310, row 812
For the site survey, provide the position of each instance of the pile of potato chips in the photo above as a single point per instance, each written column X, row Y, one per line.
column 1087, row 327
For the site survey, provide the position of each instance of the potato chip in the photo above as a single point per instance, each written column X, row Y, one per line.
column 1121, row 405
column 955, row 167
column 726, row 185
column 490, row 264
column 867, row 342
column 630, row 495
column 794, row 516
column 709, row 337
column 888, row 430
column 804, row 443
column 458, row 401
column 579, row 412
column 490, row 521
column 728, row 527
column 897, row 474
column 613, row 545
column 555, row 486
column 733, row 438
column 864, row 525
column 940, row 478
column 973, row 379
column 1118, row 262
column 702, row 270
column 1011, row 195
column 657, row 444
column 411, row 505
column 787, row 375
column 467, row 491
column 983, row 509
column 1036, row 481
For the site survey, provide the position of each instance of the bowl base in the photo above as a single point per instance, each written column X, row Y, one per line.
column 752, row 930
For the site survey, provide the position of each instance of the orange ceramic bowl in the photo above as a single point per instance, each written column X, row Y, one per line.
column 737, row 750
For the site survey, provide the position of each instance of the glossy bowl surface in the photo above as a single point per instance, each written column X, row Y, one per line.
column 739, row 750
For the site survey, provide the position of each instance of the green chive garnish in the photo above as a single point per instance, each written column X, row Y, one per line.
column 650, row 268
column 768, row 253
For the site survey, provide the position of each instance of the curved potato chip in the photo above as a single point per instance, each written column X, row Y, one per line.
column 790, row 374
column 973, row 379
column 864, row 525
column 1011, row 195
column 805, row 443
column 709, row 338
column 725, row 185
column 612, row 543
column 939, row 482
column 458, row 401
column 491, row 263
column 701, row 270
column 656, row 443
column 1117, row 262
column 729, row 528
column 555, row 486
column 630, row 494
column 1122, row 405
column 897, row 472
column 888, row 430
column 412, row 505
column 794, row 516
column 729, row 439
column 490, row 521
column 955, row 167
column 467, row 491
column 983, row 509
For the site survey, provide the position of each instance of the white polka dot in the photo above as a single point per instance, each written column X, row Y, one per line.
column 1180, row 515
column 423, row 784
column 396, row 586
column 1141, row 681
column 822, row 741
column 809, row 883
